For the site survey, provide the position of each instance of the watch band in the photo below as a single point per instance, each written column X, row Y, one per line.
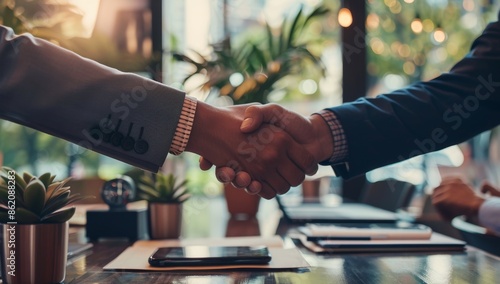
column 340, row 147
column 184, row 126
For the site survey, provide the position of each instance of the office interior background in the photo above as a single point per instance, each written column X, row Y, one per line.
column 387, row 45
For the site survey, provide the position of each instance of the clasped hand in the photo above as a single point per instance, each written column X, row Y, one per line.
column 281, row 147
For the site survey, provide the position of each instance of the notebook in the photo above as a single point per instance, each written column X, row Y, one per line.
column 344, row 212
column 437, row 243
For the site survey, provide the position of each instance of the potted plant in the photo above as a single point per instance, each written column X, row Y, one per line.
column 165, row 196
column 249, row 72
column 34, row 219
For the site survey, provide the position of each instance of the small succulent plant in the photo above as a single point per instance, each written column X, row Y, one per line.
column 162, row 188
column 35, row 199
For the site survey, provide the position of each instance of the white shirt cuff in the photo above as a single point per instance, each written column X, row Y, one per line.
column 489, row 214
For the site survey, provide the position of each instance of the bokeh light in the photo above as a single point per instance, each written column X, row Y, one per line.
column 439, row 35
column 417, row 26
column 345, row 17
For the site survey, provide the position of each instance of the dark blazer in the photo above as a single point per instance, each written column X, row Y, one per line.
column 425, row 116
column 53, row 90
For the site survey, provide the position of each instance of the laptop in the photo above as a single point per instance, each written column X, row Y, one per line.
column 343, row 212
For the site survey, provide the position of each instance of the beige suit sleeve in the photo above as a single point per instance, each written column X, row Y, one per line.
column 121, row 115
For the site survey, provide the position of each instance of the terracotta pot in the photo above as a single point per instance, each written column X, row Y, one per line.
column 34, row 253
column 164, row 220
column 311, row 190
column 240, row 203
column 242, row 228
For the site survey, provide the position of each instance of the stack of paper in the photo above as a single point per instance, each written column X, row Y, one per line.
column 323, row 238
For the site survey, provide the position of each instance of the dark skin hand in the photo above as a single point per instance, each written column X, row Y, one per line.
column 454, row 197
column 312, row 132
column 269, row 156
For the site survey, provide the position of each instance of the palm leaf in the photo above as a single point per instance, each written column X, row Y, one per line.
column 180, row 185
column 185, row 58
column 281, row 41
column 148, row 190
column 270, row 41
column 316, row 60
column 292, row 33
column 259, row 55
column 319, row 11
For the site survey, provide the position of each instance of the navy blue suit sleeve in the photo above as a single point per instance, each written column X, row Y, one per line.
column 425, row 116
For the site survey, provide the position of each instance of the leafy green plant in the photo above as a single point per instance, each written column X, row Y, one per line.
column 35, row 199
column 262, row 65
column 162, row 188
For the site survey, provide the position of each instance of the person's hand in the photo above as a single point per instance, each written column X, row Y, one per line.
column 312, row 132
column 269, row 156
column 454, row 197
column 490, row 189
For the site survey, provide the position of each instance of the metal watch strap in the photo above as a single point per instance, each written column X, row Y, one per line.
column 184, row 126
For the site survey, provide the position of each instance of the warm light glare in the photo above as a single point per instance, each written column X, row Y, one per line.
column 404, row 50
column 88, row 10
column 377, row 45
column 409, row 1
column 197, row 22
column 131, row 35
column 345, row 17
column 439, row 35
column 372, row 21
column 417, row 26
column 409, row 68
column 396, row 8
column 395, row 46
column 419, row 60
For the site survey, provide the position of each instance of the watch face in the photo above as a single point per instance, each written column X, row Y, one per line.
column 118, row 192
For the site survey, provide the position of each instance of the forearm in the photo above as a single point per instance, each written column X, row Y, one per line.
column 426, row 116
column 58, row 92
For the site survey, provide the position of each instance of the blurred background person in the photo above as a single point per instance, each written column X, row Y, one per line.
column 454, row 197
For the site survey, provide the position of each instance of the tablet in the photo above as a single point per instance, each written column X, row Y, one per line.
column 366, row 231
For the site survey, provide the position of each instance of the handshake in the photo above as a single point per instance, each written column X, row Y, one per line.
column 263, row 148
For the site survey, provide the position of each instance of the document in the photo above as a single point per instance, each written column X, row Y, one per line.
column 136, row 256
